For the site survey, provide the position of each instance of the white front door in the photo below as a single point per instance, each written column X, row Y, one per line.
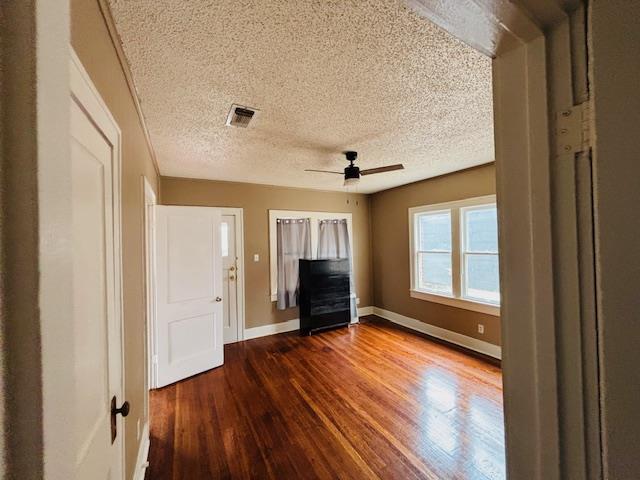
column 96, row 287
column 229, row 278
column 189, row 305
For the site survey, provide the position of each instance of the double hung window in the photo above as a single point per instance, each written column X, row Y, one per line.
column 454, row 254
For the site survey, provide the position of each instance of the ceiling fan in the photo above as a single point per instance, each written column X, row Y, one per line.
column 352, row 173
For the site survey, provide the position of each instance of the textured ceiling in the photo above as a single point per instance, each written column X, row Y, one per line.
column 326, row 75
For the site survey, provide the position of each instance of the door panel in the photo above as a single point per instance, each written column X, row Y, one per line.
column 189, row 307
column 96, row 319
column 190, row 261
column 229, row 278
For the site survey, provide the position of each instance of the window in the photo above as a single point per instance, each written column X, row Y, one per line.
column 315, row 219
column 454, row 254
column 434, row 252
column 224, row 239
column 480, row 254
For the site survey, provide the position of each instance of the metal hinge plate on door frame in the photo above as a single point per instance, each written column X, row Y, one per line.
column 573, row 129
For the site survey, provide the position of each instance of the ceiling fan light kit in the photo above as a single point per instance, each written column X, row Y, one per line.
column 352, row 173
column 351, row 181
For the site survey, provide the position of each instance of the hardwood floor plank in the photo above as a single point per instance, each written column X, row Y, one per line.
column 372, row 401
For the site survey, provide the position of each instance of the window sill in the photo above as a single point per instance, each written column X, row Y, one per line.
column 457, row 302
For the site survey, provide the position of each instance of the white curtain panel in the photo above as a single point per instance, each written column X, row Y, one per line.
column 294, row 243
column 333, row 243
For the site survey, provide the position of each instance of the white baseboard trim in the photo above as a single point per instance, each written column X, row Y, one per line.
column 471, row 343
column 143, row 454
column 290, row 326
column 265, row 330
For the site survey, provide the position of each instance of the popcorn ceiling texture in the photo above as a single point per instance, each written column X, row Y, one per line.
column 327, row 76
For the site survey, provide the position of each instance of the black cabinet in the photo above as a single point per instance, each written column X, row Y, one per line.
column 325, row 294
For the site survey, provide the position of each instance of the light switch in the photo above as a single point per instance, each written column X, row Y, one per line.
column 256, row 257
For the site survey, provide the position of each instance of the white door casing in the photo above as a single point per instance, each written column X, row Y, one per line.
column 97, row 292
column 229, row 278
column 189, row 313
column 150, row 290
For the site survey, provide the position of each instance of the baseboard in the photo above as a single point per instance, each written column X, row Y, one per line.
column 143, row 454
column 470, row 343
column 274, row 328
column 364, row 311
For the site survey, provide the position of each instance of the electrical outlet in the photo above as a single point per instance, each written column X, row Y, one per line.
column 481, row 329
column 358, row 301
column 256, row 257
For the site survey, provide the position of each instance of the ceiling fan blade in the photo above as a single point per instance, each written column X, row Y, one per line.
column 324, row 171
column 388, row 168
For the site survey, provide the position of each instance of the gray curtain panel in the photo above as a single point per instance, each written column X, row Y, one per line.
column 333, row 243
column 294, row 243
column 333, row 240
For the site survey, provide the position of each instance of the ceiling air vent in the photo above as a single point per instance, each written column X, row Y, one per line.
column 240, row 116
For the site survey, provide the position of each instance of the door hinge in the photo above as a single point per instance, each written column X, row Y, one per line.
column 573, row 129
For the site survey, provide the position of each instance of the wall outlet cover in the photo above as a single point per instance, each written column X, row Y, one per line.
column 480, row 328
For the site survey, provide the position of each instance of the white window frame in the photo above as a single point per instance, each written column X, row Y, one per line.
column 315, row 218
column 457, row 266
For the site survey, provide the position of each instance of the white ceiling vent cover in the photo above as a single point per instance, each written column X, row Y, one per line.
column 240, row 116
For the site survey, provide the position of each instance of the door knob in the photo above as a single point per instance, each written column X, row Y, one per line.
column 231, row 277
column 232, row 269
column 123, row 410
column 218, row 299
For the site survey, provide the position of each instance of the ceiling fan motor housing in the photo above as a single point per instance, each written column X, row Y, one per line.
column 351, row 172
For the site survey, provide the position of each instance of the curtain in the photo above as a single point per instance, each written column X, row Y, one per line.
column 294, row 243
column 333, row 243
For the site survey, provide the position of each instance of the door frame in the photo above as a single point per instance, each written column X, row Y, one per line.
column 240, row 275
column 148, row 201
column 86, row 95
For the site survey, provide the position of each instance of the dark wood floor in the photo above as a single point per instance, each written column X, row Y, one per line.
column 371, row 401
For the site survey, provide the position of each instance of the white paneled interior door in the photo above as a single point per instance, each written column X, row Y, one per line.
column 229, row 278
column 97, row 319
column 189, row 307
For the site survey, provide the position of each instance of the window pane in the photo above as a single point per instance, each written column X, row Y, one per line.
column 224, row 236
column 434, row 272
column 435, row 231
column 482, row 230
column 482, row 280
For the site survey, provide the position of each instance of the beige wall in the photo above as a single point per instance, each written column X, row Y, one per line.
column 390, row 240
column 257, row 200
column 92, row 43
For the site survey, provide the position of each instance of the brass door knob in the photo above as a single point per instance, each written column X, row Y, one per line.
column 218, row 299
column 232, row 269
column 231, row 277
